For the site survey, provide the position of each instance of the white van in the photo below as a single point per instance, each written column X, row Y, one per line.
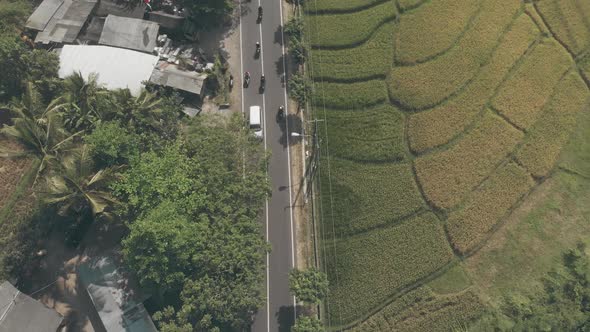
column 255, row 120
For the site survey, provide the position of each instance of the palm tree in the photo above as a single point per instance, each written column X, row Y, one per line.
column 76, row 187
column 83, row 102
column 141, row 111
column 39, row 130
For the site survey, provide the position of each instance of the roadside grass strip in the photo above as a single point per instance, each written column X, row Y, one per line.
column 447, row 176
column 568, row 21
column 371, row 59
column 471, row 224
column 366, row 196
column 338, row 6
column 428, row 84
column 384, row 318
column 348, row 30
column 373, row 266
column 431, row 29
column 439, row 125
column 351, row 96
column 444, row 313
column 522, row 97
column 367, row 135
column 542, row 144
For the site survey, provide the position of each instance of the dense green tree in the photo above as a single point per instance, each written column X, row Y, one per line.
column 309, row 286
column 13, row 65
column 307, row 324
column 13, row 14
column 77, row 188
column 42, row 71
column 205, row 14
column 112, row 144
column 197, row 220
column 299, row 88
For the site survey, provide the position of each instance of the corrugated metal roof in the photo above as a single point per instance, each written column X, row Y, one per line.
column 43, row 13
column 117, row 68
column 129, row 33
column 169, row 75
column 134, row 9
column 66, row 23
column 19, row 312
column 166, row 20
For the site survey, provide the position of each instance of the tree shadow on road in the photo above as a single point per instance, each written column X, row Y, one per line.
column 286, row 317
column 292, row 124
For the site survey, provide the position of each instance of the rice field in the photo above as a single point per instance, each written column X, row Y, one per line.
column 440, row 118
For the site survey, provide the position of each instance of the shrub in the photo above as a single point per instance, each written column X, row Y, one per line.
column 522, row 97
column 299, row 88
column 111, row 144
column 543, row 143
column 298, row 51
column 294, row 28
column 350, row 96
column 369, row 60
column 485, row 207
column 364, row 196
column 448, row 176
column 334, row 30
column 369, row 268
column 439, row 125
column 309, row 286
column 367, row 135
column 307, row 324
column 428, row 84
column 420, row 34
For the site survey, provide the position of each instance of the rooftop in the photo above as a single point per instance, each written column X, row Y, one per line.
column 116, row 68
column 60, row 23
column 19, row 312
column 169, row 75
column 123, row 8
column 129, row 33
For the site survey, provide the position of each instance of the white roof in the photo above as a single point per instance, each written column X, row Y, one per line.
column 254, row 115
column 116, row 68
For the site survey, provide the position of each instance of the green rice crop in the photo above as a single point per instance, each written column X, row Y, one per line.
column 367, row 135
column 439, row 125
column 373, row 266
column 448, row 176
column 468, row 226
column 369, row 60
column 543, row 143
column 432, row 28
column 427, row 84
column 351, row 96
column 522, row 97
column 365, row 195
column 346, row 30
column 410, row 4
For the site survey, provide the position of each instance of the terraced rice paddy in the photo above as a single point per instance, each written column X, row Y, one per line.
column 440, row 118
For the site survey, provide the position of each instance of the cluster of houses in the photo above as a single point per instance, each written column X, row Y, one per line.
column 121, row 41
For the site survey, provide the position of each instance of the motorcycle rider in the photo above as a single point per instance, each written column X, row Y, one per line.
column 259, row 11
column 257, row 47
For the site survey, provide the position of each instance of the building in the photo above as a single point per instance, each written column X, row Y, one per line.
column 130, row 33
column 116, row 68
column 19, row 312
column 60, row 21
column 166, row 20
column 167, row 74
column 115, row 297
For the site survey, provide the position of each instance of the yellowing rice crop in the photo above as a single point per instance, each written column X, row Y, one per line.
column 336, row 6
column 428, row 84
column 566, row 19
column 350, row 96
column 447, row 176
column 468, row 226
column 522, row 97
column 543, row 143
column 420, row 34
column 439, row 125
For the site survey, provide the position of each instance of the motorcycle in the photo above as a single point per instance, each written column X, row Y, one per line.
column 257, row 49
column 262, row 83
column 247, row 79
column 260, row 13
column 231, row 82
column 281, row 113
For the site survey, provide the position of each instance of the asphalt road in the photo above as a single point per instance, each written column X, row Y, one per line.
column 279, row 311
